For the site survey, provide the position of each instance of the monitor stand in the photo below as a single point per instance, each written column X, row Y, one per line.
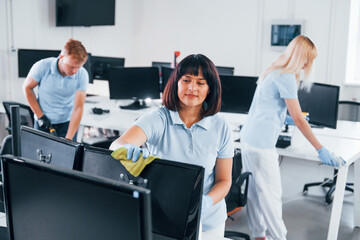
column 136, row 105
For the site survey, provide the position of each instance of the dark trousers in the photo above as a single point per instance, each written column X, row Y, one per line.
column 60, row 128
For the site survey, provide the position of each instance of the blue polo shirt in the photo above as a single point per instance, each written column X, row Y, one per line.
column 268, row 109
column 56, row 93
column 201, row 144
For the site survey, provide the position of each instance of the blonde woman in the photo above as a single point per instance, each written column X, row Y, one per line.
column 276, row 92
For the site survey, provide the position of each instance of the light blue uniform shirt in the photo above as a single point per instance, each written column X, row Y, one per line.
column 55, row 92
column 201, row 144
column 268, row 109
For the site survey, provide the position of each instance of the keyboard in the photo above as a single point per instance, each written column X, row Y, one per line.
column 283, row 141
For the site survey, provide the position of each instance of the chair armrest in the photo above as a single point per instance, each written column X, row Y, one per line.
column 243, row 178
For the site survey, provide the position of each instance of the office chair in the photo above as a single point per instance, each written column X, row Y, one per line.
column 26, row 114
column 349, row 111
column 237, row 198
column 6, row 148
column 225, row 70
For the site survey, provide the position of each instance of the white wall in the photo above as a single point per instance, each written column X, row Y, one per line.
column 231, row 33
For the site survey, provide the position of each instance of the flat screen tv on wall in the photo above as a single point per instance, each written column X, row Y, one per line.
column 85, row 12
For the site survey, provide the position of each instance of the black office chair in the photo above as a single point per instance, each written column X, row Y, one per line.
column 6, row 148
column 26, row 114
column 225, row 70
column 236, row 198
column 349, row 111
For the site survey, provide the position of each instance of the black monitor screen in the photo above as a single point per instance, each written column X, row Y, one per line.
column 237, row 93
column 48, row 202
column 225, row 70
column 85, row 12
column 28, row 57
column 166, row 73
column 44, row 147
column 135, row 82
column 101, row 65
column 321, row 102
column 176, row 191
column 281, row 35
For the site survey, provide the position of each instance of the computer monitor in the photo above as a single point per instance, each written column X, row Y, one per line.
column 225, row 70
column 44, row 147
column 321, row 102
column 101, row 66
column 176, row 191
column 166, row 73
column 48, row 202
column 28, row 57
column 237, row 93
column 137, row 83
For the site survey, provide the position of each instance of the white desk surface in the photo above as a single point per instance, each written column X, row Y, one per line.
column 117, row 119
column 343, row 141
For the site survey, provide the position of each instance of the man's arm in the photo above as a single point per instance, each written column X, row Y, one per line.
column 76, row 114
column 28, row 89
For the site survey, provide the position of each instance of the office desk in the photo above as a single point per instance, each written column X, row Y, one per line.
column 117, row 119
column 344, row 141
column 349, row 150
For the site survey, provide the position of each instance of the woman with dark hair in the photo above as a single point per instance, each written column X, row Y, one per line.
column 187, row 129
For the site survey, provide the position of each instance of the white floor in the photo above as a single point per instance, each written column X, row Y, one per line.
column 306, row 217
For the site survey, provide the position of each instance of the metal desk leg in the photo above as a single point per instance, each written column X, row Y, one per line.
column 357, row 193
column 337, row 203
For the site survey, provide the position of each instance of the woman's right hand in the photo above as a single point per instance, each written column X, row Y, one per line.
column 133, row 152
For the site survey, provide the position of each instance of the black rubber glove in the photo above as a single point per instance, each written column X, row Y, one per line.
column 44, row 122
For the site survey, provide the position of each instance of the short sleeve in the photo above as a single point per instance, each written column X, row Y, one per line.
column 83, row 79
column 153, row 124
column 286, row 83
column 37, row 71
column 226, row 149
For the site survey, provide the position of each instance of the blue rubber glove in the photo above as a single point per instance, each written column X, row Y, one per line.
column 327, row 158
column 133, row 152
column 289, row 120
column 207, row 202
